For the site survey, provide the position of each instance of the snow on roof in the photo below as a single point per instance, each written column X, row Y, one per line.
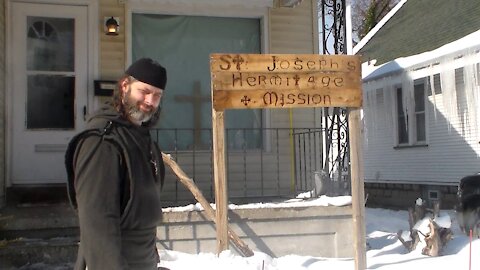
column 370, row 72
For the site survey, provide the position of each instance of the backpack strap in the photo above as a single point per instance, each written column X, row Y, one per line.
column 70, row 155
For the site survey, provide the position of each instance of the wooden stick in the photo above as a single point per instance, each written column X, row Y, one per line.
column 210, row 212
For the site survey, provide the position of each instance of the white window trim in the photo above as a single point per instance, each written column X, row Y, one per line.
column 395, row 115
column 414, row 124
column 411, row 115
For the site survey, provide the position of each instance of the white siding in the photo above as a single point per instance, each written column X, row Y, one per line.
column 452, row 149
column 294, row 31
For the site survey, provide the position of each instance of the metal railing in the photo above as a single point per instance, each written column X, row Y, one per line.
column 262, row 164
column 321, row 163
column 308, row 156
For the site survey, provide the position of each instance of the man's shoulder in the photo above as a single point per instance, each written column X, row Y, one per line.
column 98, row 123
column 102, row 117
column 99, row 129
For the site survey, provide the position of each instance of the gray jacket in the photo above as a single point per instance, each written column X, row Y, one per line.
column 115, row 177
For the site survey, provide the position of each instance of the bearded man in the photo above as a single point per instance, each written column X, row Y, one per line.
column 115, row 174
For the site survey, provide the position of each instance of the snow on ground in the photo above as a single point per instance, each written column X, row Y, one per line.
column 385, row 250
column 299, row 201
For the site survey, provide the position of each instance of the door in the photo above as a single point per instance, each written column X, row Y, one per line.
column 49, row 88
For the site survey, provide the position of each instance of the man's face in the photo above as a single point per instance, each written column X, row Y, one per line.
column 141, row 100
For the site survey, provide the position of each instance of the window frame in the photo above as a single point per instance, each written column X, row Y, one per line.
column 242, row 137
column 411, row 113
column 400, row 141
column 416, row 112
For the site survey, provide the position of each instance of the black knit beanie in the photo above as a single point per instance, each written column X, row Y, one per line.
column 148, row 71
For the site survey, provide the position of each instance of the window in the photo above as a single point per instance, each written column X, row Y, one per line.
column 419, row 94
column 401, row 119
column 433, row 195
column 477, row 74
column 183, row 45
column 411, row 114
column 437, row 86
column 50, row 73
column 460, row 92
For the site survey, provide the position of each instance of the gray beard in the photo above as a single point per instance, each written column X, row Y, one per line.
column 133, row 111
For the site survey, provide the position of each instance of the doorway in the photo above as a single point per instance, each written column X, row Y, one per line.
column 48, row 93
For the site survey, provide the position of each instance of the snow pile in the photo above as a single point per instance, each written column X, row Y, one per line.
column 385, row 251
column 302, row 200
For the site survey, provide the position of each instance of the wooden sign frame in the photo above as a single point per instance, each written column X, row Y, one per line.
column 251, row 81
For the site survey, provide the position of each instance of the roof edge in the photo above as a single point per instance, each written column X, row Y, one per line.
column 377, row 27
column 454, row 49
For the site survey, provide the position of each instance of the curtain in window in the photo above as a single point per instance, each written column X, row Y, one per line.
column 472, row 86
column 408, row 100
column 447, row 82
column 183, row 44
column 389, row 98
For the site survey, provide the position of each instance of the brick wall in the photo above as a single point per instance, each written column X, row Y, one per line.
column 402, row 196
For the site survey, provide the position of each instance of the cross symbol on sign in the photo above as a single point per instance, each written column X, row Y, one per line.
column 238, row 60
column 245, row 100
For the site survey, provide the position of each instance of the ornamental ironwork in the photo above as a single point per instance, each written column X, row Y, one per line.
column 332, row 26
column 333, row 35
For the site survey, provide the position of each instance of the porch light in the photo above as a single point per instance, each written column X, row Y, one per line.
column 112, row 26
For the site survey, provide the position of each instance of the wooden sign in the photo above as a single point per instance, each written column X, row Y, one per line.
column 249, row 81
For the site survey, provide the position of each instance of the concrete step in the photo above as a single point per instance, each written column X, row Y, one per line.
column 38, row 221
column 25, row 253
column 38, row 236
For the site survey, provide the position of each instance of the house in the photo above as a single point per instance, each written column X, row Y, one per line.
column 57, row 65
column 421, row 70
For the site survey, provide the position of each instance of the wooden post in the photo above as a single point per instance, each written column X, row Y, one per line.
column 219, row 175
column 358, row 194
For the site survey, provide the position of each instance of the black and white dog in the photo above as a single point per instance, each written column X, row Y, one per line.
column 468, row 208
